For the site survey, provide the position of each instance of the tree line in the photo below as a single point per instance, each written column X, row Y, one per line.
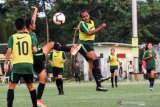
column 116, row 13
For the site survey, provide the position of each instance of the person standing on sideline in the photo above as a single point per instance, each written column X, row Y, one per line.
column 57, row 60
column 113, row 60
column 149, row 56
column 130, row 69
column 20, row 46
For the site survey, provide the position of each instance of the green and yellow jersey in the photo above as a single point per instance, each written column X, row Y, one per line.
column 57, row 57
column 150, row 63
column 22, row 57
column 114, row 59
column 84, row 28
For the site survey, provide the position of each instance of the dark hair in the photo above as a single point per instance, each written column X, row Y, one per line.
column 28, row 22
column 19, row 23
column 82, row 12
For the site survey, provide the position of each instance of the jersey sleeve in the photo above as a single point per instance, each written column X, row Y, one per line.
column 64, row 55
column 84, row 27
column 50, row 56
column 33, row 42
column 10, row 42
column 109, row 57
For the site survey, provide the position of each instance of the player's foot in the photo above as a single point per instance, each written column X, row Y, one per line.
column 103, row 79
column 61, row 93
column 151, row 88
column 100, row 88
column 40, row 103
column 112, row 85
column 116, row 85
column 75, row 49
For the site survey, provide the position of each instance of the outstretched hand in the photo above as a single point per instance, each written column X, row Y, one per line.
column 103, row 25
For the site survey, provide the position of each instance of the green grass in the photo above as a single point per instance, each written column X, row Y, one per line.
column 128, row 94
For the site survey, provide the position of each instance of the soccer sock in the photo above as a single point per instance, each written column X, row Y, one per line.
column 149, row 79
column 33, row 97
column 96, row 78
column 58, row 84
column 96, row 68
column 61, row 84
column 152, row 82
column 10, row 97
column 116, row 79
column 112, row 81
column 40, row 90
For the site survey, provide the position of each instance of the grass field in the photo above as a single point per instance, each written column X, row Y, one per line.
column 128, row 94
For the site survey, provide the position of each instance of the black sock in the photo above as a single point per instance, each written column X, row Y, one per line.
column 96, row 68
column 96, row 78
column 10, row 97
column 116, row 79
column 61, row 84
column 112, row 81
column 33, row 98
column 58, row 84
column 149, row 80
column 40, row 90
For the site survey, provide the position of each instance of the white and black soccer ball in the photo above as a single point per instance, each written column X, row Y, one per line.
column 59, row 18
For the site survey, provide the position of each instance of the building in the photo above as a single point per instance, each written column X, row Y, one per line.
column 102, row 49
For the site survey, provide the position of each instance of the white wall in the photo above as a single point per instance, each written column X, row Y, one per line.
column 106, row 52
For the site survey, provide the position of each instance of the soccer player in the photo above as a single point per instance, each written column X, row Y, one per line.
column 87, row 33
column 113, row 60
column 40, row 57
column 149, row 56
column 57, row 60
column 20, row 46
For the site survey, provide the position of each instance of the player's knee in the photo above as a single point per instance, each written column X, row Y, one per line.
column 30, row 87
column 12, row 86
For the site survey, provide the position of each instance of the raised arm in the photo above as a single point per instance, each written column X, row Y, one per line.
column 34, row 14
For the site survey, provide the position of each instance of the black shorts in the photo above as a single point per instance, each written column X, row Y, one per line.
column 113, row 68
column 149, row 70
column 39, row 63
column 14, row 78
column 85, row 48
column 57, row 71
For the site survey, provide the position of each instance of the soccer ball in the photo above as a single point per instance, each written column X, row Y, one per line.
column 59, row 18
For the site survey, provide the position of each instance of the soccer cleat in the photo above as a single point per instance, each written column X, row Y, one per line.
column 103, row 79
column 101, row 89
column 151, row 88
column 75, row 49
column 116, row 85
column 112, row 85
column 40, row 103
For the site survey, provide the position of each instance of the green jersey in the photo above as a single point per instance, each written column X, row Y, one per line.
column 150, row 63
column 34, row 37
column 84, row 28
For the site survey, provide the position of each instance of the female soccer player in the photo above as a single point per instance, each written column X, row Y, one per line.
column 149, row 56
column 113, row 60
